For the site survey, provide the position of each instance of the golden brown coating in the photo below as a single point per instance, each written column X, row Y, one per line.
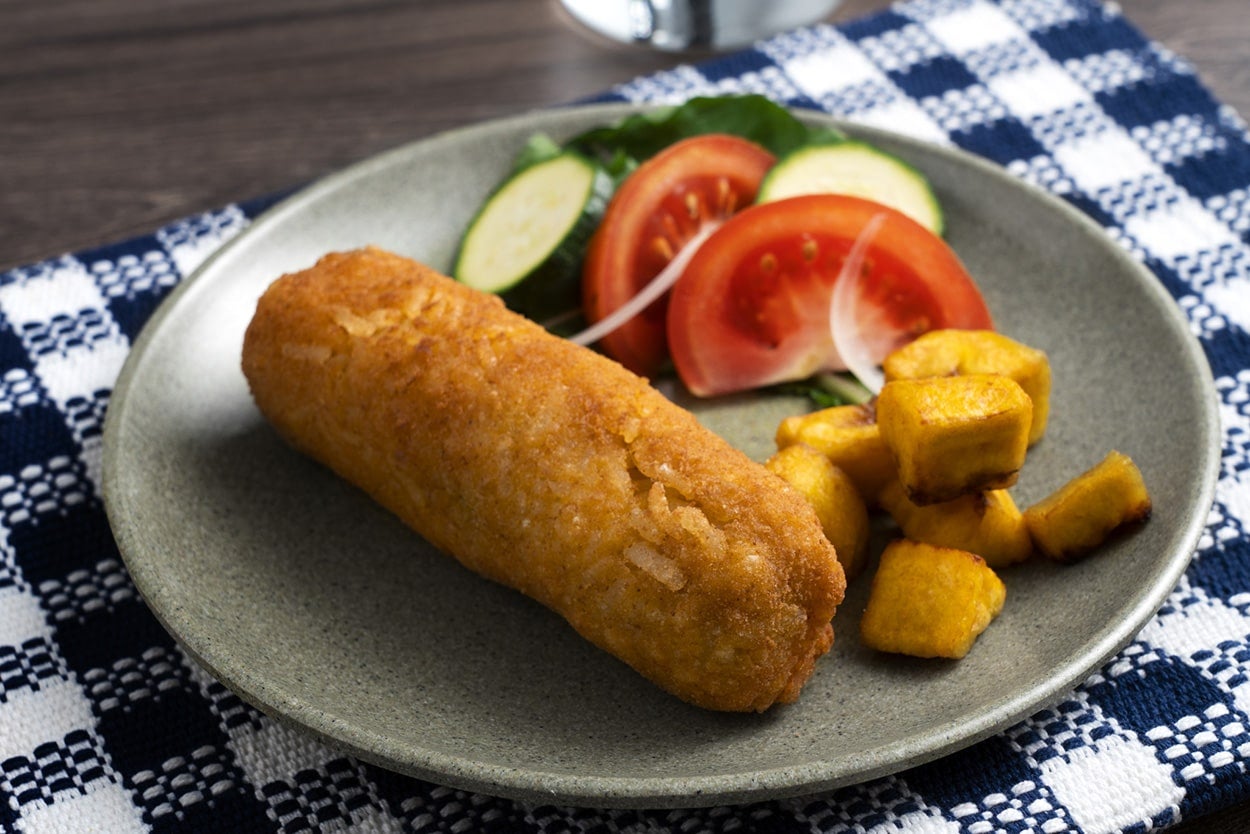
column 553, row 470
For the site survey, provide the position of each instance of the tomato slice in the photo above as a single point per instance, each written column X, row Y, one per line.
column 752, row 307
column 658, row 208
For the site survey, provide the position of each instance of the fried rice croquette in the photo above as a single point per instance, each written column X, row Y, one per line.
column 551, row 469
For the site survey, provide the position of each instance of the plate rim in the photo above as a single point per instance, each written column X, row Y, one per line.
column 534, row 784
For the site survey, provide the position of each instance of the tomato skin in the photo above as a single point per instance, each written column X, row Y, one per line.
column 752, row 307
column 659, row 207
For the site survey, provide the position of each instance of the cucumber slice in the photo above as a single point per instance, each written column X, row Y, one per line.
column 860, row 170
column 527, row 242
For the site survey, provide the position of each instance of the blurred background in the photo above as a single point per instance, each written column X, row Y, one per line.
column 117, row 116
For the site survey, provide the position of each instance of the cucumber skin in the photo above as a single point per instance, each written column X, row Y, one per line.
column 552, row 288
column 555, row 286
column 939, row 220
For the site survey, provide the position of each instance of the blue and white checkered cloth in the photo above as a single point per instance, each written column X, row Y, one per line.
column 105, row 725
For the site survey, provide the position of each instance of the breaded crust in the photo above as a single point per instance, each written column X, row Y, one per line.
column 553, row 470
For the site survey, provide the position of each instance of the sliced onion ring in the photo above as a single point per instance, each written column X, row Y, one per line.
column 844, row 323
column 654, row 289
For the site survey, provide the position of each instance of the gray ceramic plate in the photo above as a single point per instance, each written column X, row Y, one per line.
column 322, row 610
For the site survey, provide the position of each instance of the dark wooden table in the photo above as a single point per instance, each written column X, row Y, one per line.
column 117, row 116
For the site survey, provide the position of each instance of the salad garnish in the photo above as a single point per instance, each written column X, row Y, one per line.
column 805, row 297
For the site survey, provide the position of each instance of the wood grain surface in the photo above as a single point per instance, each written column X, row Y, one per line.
column 117, row 116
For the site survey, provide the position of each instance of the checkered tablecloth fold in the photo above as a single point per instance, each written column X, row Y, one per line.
column 105, row 724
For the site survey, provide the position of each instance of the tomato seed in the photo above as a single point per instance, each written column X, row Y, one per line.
column 809, row 250
column 692, row 205
column 726, row 198
column 663, row 248
column 768, row 263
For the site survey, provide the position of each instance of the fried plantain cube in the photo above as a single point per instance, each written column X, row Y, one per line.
column 834, row 496
column 988, row 524
column 849, row 436
column 1089, row 509
column 951, row 352
column 955, row 435
column 930, row 601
